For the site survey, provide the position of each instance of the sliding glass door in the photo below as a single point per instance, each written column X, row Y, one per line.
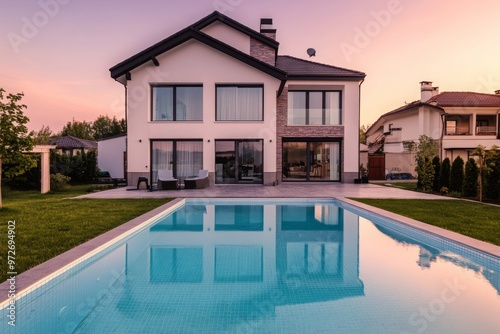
column 311, row 161
column 183, row 157
column 239, row 161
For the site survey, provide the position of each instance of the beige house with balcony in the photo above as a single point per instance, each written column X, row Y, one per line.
column 458, row 121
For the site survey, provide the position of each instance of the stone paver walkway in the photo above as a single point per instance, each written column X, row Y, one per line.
column 284, row 190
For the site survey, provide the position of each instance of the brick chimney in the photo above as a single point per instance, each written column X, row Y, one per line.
column 262, row 51
column 266, row 28
column 425, row 90
column 435, row 91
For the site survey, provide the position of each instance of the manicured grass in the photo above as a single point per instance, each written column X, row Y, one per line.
column 402, row 185
column 476, row 220
column 48, row 225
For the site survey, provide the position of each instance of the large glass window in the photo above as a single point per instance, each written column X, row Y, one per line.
column 239, row 161
column 311, row 161
column 177, row 103
column 240, row 103
column 183, row 157
column 314, row 108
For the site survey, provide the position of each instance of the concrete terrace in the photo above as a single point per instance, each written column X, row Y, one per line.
column 283, row 190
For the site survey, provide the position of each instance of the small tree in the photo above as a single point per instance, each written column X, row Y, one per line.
column 457, row 175
column 426, row 150
column 480, row 152
column 362, row 133
column 444, row 179
column 471, row 178
column 437, row 173
column 14, row 137
column 42, row 137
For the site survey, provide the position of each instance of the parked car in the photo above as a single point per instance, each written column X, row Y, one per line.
column 399, row 176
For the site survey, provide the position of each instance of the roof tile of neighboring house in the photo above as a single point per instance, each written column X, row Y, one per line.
column 73, row 142
column 465, row 99
column 296, row 67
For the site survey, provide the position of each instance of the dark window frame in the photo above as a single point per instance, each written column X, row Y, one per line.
column 323, row 97
column 174, row 98
column 308, row 162
column 240, row 86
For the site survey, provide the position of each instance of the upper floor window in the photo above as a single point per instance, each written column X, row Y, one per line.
column 486, row 125
column 177, row 103
column 314, row 108
column 239, row 103
column 457, row 125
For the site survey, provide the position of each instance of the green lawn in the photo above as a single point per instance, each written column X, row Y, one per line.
column 48, row 225
column 476, row 220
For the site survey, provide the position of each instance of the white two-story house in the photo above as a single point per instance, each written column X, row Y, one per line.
column 457, row 121
column 217, row 96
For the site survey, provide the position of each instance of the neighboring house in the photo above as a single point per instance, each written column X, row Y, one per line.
column 217, row 96
column 70, row 145
column 112, row 155
column 458, row 121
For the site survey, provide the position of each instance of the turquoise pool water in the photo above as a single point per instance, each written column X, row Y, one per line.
column 228, row 266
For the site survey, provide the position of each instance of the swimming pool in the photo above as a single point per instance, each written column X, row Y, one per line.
column 273, row 266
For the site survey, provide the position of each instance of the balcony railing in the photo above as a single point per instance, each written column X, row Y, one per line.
column 486, row 131
column 457, row 131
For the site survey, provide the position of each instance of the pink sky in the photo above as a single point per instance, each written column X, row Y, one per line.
column 58, row 52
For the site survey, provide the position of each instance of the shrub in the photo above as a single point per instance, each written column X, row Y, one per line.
column 492, row 177
column 444, row 191
column 444, row 180
column 471, row 177
column 457, row 175
column 59, row 182
column 456, row 194
column 437, row 173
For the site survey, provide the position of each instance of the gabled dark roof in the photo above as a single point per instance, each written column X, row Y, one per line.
column 305, row 69
column 465, row 99
column 217, row 16
column 193, row 32
column 72, row 142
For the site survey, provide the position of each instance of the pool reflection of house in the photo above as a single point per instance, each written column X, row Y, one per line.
column 244, row 260
column 429, row 254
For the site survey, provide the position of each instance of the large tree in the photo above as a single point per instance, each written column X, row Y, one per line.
column 78, row 129
column 104, row 127
column 14, row 137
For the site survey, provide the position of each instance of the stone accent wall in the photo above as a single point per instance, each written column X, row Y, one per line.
column 262, row 52
column 285, row 131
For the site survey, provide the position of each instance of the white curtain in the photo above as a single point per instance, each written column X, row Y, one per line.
column 189, row 159
column 332, row 107
column 334, row 161
column 239, row 103
column 162, row 157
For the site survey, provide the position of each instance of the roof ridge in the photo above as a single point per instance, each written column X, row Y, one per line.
column 322, row 64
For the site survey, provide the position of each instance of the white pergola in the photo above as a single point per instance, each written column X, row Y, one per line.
column 44, row 151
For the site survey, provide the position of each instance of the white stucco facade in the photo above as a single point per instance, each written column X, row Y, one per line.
column 217, row 55
column 111, row 153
